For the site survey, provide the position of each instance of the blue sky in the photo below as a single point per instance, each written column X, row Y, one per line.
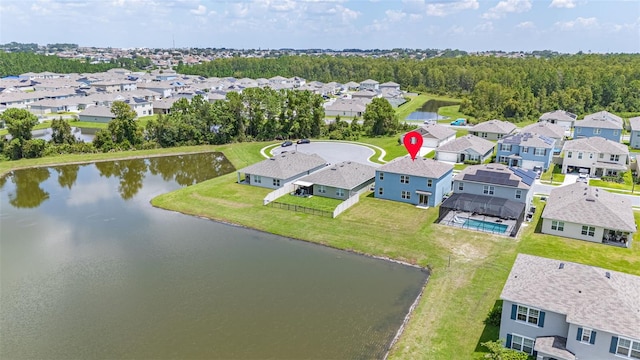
column 472, row 25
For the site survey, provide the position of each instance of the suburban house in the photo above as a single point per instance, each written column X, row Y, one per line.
column 422, row 182
column 434, row 135
column 525, row 150
column 466, row 148
column 603, row 124
column 555, row 309
column 596, row 156
column 634, row 138
column 390, row 85
column 340, row 181
column 278, row 170
column 582, row 212
column 100, row 114
column 489, row 196
column 346, row 107
column 550, row 130
column 493, row 129
column 560, row 117
column 369, row 85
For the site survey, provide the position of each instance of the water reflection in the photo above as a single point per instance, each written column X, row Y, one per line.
column 130, row 172
column 27, row 192
column 67, row 175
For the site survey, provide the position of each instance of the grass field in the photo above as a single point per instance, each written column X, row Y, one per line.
column 314, row 202
column 416, row 102
column 468, row 268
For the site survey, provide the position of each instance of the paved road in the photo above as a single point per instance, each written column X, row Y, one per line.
column 333, row 152
column 544, row 189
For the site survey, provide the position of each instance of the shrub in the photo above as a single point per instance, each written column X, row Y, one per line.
column 493, row 318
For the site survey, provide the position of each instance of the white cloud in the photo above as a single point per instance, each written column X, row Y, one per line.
column 456, row 29
column 507, row 6
column 395, row 15
column 526, row 25
column 567, row 4
column 579, row 23
column 201, row 10
column 484, row 27
column 444, row 9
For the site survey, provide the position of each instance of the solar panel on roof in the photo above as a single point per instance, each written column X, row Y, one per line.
column 527, row 176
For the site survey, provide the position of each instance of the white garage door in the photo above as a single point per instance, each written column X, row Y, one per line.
column 447, row 156
column 530, row 164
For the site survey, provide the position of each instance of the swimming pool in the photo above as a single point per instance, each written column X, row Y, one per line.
column 485, row 226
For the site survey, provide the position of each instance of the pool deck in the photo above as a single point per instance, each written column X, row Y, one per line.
column 458, row 218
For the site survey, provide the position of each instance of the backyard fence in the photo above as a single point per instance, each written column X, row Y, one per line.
column 287, row 188
column 345, row 205
column 302, row 209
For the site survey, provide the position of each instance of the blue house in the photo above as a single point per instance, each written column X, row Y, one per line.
column 525, row 150
column 422, row 182
column 603, row 124
column 634, row 140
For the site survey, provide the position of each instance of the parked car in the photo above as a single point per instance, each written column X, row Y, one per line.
column 303, row 141
column 538, row 171
column 286, row 143
column 459, row 122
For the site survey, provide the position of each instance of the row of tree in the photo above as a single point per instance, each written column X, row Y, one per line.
column 255, row 114
column 22, row 62
column 494, row 87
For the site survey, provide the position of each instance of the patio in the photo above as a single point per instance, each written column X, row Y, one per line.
column 616, row 238
column 478, row 222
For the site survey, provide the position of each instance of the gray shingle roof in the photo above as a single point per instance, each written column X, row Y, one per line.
column 561, row 115
column 479, row 145
column 529, row 140
column 584, row 293
column 596, row 144
column 345, row 175
column 634, row 122
column 503, row 175
column 602, row 120
column 285, row 165
column 495, row 127
column 423, row 167
column 435, row 131
column 356, row 105
column 545, row 128
column 582, row 204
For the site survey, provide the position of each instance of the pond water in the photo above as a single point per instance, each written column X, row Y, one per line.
column 429, row 111
column 90, row 270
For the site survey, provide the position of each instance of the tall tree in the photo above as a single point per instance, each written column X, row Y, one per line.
column 19, row 123
column 380, row 118
column 61, row 132
column 124, row 127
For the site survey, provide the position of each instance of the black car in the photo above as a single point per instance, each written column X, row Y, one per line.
column 286, row 143
column 304, row 141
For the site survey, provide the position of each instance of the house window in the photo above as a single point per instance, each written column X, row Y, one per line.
column 588, row 230
column 590, row 155
column 557, row 225
column 276, row 182
column 460, row 186
column 540, row 152
column 525, row 150
column 404, row 179
column 601, row 156
column 628, row 348
column 518, row 194
column 381, row 176
column 502, row 159
column 322, row 189
column 257, row 179
column 596, row 131
column 528, row 315
column 586, row 336
column 380, row 191
column 578, row 130
column 488, row 190
column 579, row 155
column 569, row 154
column 522, row 343
column 505, row 147
column 614, row 157
column 615, row 132
column 429, row 182
column 340, row 192
column 406, row 195
column 484, row 134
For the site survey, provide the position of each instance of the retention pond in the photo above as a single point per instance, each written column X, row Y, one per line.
column 90, row 270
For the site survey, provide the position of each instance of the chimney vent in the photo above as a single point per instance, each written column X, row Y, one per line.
column 561, row 266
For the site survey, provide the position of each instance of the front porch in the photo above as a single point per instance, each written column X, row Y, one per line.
column 608, row 169
column 552, row 347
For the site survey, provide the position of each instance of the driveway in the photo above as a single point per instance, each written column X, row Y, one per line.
column 333, row 152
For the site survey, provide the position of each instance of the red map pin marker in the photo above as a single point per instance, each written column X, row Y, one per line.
column 413, row 142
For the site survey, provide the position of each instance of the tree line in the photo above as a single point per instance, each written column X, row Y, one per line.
column 256, row 114
column 22, row 62
column 492, row 87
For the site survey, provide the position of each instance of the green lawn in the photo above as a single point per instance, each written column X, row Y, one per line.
column 389, row 143
column 313, row 202
column 554, row 171
column 468, row 268
column 627, row 185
